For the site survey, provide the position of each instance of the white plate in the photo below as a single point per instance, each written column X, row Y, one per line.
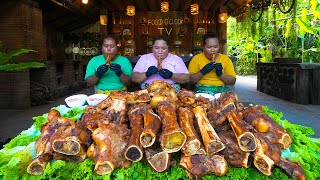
column 205, row 95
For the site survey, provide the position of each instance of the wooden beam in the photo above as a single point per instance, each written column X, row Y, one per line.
column 186, row 5
column 217, row 4
column 107, row 5
column 174, row 6
column 205, row 6
column 119, row 5
column 153, row 5
column 141, row 5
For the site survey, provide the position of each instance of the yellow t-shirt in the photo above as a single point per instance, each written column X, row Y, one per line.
column 211, row 78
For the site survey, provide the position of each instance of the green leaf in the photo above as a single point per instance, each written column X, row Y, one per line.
column 5, row 57
column 304, row 26
column 21, row 66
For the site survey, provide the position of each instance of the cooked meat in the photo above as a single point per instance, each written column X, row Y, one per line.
column 134, row 151
column 152, row 124
column 172, row 138
column 264, row 124
column 193, row 144
column 246, row 140
column 211, row 140
column 232, row 153
column 200, row 165
column 107, row 152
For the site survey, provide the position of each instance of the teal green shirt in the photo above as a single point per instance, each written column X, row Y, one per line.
column 110, row 80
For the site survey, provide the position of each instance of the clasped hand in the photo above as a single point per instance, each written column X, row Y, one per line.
column 165, row 73
column 210, row 66
column 101, row 70
column 104, row 68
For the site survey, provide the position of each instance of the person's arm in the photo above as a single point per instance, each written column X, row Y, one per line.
column 92, row 80
column 228, row 75
column 181, row 78
column 125, row 79
column 138, row 77
column 194, row 78
column 228, row 80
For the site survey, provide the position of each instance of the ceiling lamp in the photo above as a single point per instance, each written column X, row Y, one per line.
column 223, row 15
column 131, row 10
column 85, row 1
column 194, row 9
column 164, row 6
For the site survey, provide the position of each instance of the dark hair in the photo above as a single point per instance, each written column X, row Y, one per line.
column 110, row 37
column 161, row 37
column 208, row 36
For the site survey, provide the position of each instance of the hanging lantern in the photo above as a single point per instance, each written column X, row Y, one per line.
column 103, row 19
column 164, row 6
column 194, row 9
column 85, row 1
column 131, row 10
column 223, row 15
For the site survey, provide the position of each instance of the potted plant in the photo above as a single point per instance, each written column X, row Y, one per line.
column 15, row 80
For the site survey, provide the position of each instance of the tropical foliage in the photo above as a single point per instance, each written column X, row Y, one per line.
column 5, row 58
column 296, row 34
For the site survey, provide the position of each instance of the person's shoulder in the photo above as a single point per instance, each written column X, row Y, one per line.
column 174, row 56
column 97, row 57
column 224, row 57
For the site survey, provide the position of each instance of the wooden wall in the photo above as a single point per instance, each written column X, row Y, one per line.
column 22, row 27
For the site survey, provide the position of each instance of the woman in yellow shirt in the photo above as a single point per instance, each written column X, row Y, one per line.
column 210, row 70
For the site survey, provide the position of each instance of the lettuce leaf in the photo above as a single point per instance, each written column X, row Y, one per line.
column 24, row 138
column 304, row 149
column 39, row 121
column 14, row 162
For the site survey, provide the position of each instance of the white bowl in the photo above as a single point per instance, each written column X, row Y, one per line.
column 96, row 99
column 216, row 96
column 205, row 95
column 76, row 100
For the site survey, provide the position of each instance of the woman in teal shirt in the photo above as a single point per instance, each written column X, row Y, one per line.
column 105, row 76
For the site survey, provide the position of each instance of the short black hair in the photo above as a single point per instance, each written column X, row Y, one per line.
column 208, row 36
column 161, row 37
column 110, row 37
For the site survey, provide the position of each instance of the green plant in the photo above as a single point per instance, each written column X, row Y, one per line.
column 5, row 57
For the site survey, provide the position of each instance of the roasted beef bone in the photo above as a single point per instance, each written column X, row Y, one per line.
column 211, row 140
column 246, row 140
column 172, row 138
column 193, row 144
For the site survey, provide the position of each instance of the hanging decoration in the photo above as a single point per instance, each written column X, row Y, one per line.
column 103, row 19
column 194, row 9
column 223, row 15
column 164, row 6
column 131, row 10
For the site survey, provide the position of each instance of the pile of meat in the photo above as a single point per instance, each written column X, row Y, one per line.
column 158, row 122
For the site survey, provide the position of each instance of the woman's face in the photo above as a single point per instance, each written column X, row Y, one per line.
column 211, row 47
column 160, row 48
column 109, row 47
